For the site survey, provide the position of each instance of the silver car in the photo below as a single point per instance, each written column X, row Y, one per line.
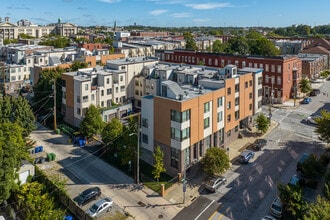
column 311, row 120
column 214, row 182
column 99, row 207
column 276, row 207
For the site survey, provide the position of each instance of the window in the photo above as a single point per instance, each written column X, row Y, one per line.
column 180, row 116
column 279, row 69
column 229, row 91
column 78, row 111
column 136, row 83
column 250, row 107
column 236, row 101
column 220, row 102
column 179, row 135
column 261, row 66
column 237, row 88
column 273, row 68
column 228, row 105
column 228, row 133
column 145, row 138
column 266, row 79
column 174, row 157
column 250, row 95
column 279, row 80
column 250, row 83
column 102, row 92
column 109, row 91
column 206, row 107
column 246, row 85
column 78, row 99
column 145, row 122
column 121, row 78
column 122, row 88
column 86, row 87
column 267, row 68
column 237, row 115
column 243, row 64
column 85, row 98
column 228, row 118
column 219, row 117
column 206, row 122
column 108, row 81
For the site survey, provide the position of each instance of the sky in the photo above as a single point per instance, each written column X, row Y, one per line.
column 170, row 13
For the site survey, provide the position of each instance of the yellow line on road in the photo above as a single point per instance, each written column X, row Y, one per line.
column 212, row 215
column 220, row 217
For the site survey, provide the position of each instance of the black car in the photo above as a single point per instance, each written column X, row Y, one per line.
column 88, row 195
column 259, row 144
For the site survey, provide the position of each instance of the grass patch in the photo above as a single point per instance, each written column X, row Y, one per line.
column 157, row 186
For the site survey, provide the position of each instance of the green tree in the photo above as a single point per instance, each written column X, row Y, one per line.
column 215, row 161
column 312, row 168
column 238, row 45
column 262, row 123
column 325, row 73
column 12, row 150
column 111, row 132
column 55, row 41
column 92, row 123
column 76, row 65
column 217, row 47
column 318, row 210
column 260, row 45
column 190, row 42
column 323, row 128
column 292, row 200
column 305, row 85
column 158, row 163
column 34, row 202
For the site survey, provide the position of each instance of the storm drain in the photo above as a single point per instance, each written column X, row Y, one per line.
column 160, row 216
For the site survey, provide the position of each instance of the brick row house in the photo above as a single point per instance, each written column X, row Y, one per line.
column 281, row 74
column 190, row 109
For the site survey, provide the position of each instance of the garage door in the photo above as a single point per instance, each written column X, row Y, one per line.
column 23, row 176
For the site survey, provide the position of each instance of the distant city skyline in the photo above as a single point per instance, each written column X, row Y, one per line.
column 170, row 13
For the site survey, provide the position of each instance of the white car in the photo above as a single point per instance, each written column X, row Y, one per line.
column 102, row 205
column 311, row 120
column 276, row 207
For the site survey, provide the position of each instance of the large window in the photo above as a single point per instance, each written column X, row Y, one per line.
column 145, row 138
column 174, row 157
column 220, row 103
column 180, row 135
column 206, row 123
column 180, row 116
column 145, row 122
column 219, row 118
column 206, row 107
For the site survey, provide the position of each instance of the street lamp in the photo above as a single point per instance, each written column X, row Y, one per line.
column 138, row 156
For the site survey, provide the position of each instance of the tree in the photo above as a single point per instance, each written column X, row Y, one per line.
column 262, row 123
column 55, row 41
column 215, row 161
column 190, row 42
column 76, row 65
column 292, row 200
column 158, row 163
column 111, row 132
column 323, row 126
column 238, row 45
column 305, row 85
column 12, row 150
column 318, row 210
column 325, row 73
column 260, row 45
column 312, row 168
column 92, row 123
column 34, row 202
column 217, row 46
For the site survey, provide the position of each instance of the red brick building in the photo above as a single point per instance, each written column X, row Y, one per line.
column 281, row 74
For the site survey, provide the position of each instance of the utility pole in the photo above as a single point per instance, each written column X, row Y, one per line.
column 54, row 111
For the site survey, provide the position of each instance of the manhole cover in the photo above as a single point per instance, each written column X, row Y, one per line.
column 160, row 216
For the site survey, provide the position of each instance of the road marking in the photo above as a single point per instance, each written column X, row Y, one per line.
column 213, row 215
column 221, row 215
column 205, row 209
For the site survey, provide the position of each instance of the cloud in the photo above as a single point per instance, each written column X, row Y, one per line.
column 207, row 6
column 157, row 12
column 110, row 1
column 181, row 15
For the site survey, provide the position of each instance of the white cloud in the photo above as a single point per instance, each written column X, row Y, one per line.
column 157, row 12
column 110, row 1
column 207, row 6
column 181, row 15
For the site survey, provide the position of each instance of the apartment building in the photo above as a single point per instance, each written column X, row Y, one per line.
column 91, row 86
column 281, row 75
column 313, row 64
column 9, row 30
column 196, row 108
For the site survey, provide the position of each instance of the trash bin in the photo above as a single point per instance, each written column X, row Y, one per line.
column 41, row 148
column 58, row 131
column 53, row 156
column 42, row 159
column 36, row 150
column 49, row 157
column 68, row 217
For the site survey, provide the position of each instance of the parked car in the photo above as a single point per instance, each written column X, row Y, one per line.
column 213, row 183
column 296, row 180
column 99, row 207
column 259, row 144
column 311, row 120
column 88, row 195
column 276, row 207
column 302, row 158
column 245, row 156
column 306, row 100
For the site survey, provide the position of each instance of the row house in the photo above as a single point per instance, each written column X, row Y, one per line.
column 194, row 108
column 313, row 64
column 91, row 86
column 281, row 75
